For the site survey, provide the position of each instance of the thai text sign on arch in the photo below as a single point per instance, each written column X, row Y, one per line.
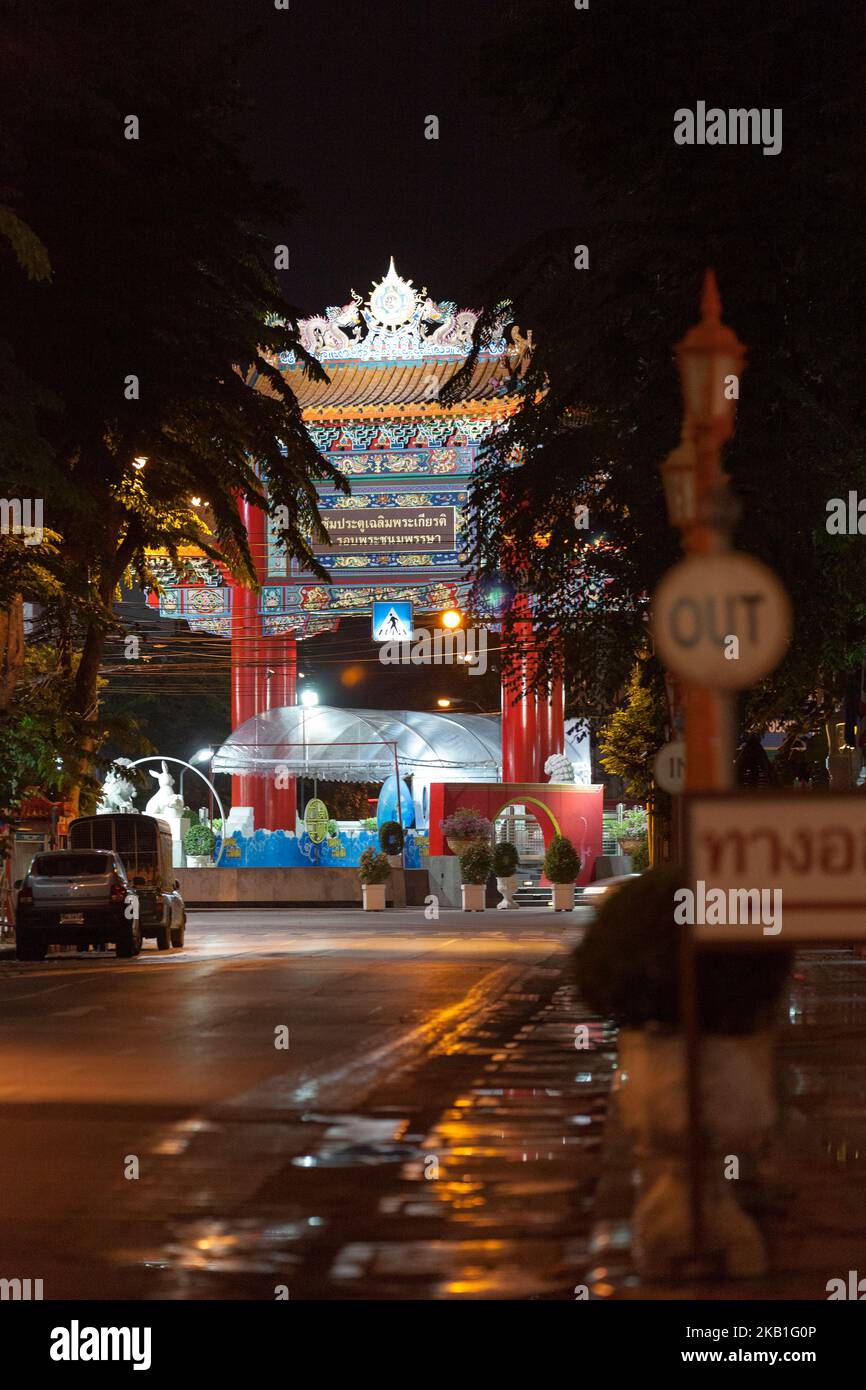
column 810, row 846
column 389, row 528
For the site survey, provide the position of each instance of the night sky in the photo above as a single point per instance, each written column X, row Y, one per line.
column 342, row 91
column 340, row 94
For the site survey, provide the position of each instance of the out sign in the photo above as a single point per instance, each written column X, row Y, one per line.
column 705, row 601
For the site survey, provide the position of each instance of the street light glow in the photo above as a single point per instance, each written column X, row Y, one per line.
column 310, row 697
column 451, row 618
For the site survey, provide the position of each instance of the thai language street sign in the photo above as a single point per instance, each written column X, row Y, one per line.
column 722, row 621
column 808, row 847
column 389, row 528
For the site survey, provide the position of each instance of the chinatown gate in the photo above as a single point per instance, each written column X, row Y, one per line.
column 408, row 458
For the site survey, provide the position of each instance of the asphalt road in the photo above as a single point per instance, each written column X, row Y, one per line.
column 153, row 1135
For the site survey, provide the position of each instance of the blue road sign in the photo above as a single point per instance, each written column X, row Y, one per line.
column 392, row 622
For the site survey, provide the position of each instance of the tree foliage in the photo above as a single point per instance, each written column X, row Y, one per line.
column 636, row 730
column 162, row 310
column 601, row 404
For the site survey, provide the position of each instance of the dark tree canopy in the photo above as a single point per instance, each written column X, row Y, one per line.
column 602, row 403
column 120, row 153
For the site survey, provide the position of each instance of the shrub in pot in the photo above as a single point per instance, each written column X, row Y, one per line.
column 627, row 968
column 640, row 856
column 463, row 828
column 373, row 871
column 391, row 841
column 631, row 830
column 505, row 869
column 476, row 863
column 199, row 842
column 562, row 866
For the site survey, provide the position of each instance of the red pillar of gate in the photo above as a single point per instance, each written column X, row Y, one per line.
column 248, row 671
column 519, row 703
column 244, row 678
column 280, row 656
column 533, row 720
column 555, row 705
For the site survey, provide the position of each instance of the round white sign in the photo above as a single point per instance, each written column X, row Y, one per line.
column 669, row 767
column 721, row 621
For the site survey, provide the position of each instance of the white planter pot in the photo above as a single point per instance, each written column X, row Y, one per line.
column 507, row 887
column 737, row 1111
column 373, row 895
column 563, row 897
column 198, row 861
column 473, row 897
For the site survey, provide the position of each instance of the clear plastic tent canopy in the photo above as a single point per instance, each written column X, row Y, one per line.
column 359, row 745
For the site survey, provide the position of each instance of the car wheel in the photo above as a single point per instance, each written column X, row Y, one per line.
column 177, row 933
column 28, row 949
column 163, row 936
column 129, row 940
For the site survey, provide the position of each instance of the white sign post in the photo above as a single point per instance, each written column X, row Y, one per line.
column 722, row 621
column 669, row 767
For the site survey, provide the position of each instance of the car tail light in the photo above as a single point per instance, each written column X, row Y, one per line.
column 25, row 897
column 118, row 889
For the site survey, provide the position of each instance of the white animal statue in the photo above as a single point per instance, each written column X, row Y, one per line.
column 118, row 792
column 559, row 768
column 165, row 803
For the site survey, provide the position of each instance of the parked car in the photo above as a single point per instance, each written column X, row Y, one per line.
column 144, row 845
column 77, row 898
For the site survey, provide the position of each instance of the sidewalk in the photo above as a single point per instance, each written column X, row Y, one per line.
column 813, row 1212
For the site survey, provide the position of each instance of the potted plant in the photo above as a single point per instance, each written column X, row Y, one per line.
column 640, row 857
column 476, row 863
column 627, row 968
column 464, row 828
column 199, row 842
column 504, row 867
column 631, row 830
column 391, row 840
column 562, row 866
column 373, row 871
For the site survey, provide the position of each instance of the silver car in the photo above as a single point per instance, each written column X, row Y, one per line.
column 78, row 898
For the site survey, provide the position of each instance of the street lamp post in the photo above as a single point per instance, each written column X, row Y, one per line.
column 710, row 359
column 204, row 755
column 309, row 699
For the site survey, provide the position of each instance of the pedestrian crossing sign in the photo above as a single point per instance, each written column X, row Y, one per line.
column 392, row 622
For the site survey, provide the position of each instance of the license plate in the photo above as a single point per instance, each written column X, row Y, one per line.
column 72, row 919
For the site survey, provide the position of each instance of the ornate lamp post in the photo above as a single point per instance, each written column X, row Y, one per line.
column 679, row 473
column 710, row 359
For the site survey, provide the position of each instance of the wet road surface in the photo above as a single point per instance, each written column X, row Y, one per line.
column 429, row 1132
column 810, row 1196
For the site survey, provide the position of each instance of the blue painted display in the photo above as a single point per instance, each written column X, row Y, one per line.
column 279, row 849
column 386, row 807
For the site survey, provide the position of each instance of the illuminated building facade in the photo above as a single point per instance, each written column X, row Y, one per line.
column 399, row 535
